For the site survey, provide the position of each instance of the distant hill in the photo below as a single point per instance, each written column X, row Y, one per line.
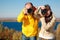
column 8, row 19
column 14, row 19
column 58, row 19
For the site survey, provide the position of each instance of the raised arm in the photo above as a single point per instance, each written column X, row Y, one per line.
column 20, row 16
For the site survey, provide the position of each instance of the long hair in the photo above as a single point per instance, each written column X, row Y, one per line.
column 48, row 18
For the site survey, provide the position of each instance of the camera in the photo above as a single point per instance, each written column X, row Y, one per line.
column 30, row 10
column 44, row 11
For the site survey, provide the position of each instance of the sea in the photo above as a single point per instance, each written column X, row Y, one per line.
column 18, row 26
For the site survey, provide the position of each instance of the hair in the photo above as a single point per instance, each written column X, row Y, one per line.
column 29, row 3
column 48, row 19
column 47, row 6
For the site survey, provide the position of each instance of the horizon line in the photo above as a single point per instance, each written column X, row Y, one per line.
column 15, row 19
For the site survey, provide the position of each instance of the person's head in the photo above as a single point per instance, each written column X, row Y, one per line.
column 29, row 7
column 46, row 10
column 49, row 12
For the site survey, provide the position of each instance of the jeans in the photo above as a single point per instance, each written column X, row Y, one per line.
column 28, row 38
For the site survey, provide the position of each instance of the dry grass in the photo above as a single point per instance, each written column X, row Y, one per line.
column 58, row 33
column 18, row 35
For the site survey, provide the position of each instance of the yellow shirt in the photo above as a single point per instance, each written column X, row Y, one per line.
column 29, row 26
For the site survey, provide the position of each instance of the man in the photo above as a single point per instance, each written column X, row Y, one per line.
column 48, row 21
column 30, row 23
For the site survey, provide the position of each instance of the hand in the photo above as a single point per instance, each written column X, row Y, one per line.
column 42, row 7
column 37, row 13
column 25, row 11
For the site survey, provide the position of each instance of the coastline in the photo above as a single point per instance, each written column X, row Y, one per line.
column 15, row 19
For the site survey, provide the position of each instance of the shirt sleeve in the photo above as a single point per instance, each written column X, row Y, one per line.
column 20, row 16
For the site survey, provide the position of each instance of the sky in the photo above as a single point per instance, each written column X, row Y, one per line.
column 12, row 8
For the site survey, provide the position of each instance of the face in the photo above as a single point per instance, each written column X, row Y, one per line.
column 48, row 10
column 48, row 13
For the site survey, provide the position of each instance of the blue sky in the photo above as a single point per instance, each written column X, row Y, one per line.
column 11, row 8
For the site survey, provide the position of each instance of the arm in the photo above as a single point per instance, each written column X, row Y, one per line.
column 37, row 13
column 43, row 22
column 20, row 16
